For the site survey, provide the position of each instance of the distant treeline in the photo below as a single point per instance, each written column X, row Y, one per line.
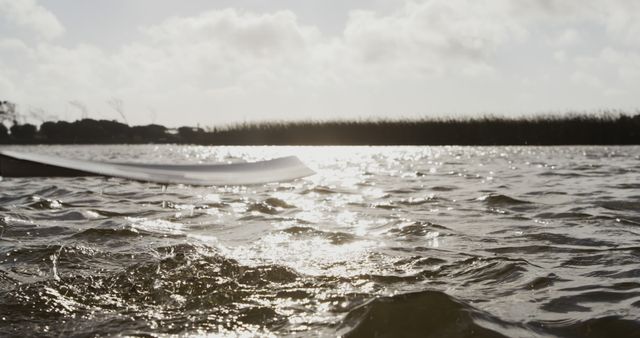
column 548, row 130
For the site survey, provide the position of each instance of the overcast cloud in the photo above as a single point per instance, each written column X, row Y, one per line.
column 388, row 59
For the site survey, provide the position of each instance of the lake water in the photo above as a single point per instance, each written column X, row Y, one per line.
column 382, row 241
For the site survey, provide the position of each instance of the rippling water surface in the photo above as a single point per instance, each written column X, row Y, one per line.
column 382, row 241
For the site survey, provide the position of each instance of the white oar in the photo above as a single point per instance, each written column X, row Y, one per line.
column 15, row 164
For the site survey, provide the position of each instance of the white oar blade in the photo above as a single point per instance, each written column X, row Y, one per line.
column 281, row 169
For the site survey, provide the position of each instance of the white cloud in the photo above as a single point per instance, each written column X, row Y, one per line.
column 247, row 33
column 582, row 78
column 433, row 36
column 622, row 67
column 613, row 73
column 627, row 63
column 223, row 48
column 430, row 56
column 28, row 14
column 619, row 17
column 560, row 55
column 567, row 37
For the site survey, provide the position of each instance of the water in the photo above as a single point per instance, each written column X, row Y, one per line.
column 383, row 241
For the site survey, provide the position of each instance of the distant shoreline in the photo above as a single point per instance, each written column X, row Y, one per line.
column 576, row 129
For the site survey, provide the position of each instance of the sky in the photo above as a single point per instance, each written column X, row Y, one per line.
column 213, row 63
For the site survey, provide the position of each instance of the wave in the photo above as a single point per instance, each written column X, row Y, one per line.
column 270, row 206
column 504, row 201
column 334, row 237
column 31, row 231
column 364, row 248
column 180, row 287
column 419, row 314
column 561, row 239
column 419, row 229
column 564, row 215
column 444, row 188
column 621, row 205
column 608, row 326
column 436, row 314
column 583, row 301
column 45, row 204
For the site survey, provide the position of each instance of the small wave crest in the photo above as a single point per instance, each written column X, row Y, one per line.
column 180, row 287
column 423, row 314
column 498, row 200
column 336, row 238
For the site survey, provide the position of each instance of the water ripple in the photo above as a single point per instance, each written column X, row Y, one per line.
column 382, row 241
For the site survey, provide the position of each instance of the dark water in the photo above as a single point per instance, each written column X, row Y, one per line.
column 382, row 242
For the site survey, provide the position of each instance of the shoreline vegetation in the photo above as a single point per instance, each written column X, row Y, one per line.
column 608, row 128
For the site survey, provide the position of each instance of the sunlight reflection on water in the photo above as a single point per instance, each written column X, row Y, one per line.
column 510, row 235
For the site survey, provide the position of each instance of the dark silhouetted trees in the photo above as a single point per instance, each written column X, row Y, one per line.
column 152, row 133
column 4, row 133
column 85, row 131
column 192, row 135
column 57, row 132
column 546, row 130
column 23, row 133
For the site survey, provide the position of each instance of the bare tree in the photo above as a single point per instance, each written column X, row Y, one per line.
column 118, row 106
column 84, row 112
column 39, row 114
column 153, row 115
column 8, row 112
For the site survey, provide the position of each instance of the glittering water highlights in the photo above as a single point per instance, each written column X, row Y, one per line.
column 382, row 241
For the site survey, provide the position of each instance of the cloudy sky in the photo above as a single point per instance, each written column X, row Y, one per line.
column 216, row 62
